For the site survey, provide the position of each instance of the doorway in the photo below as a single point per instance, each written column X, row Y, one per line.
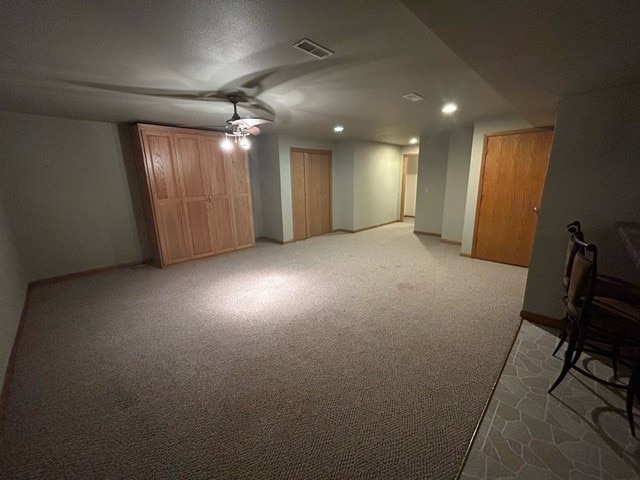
column 409, row 187
column 514, row 168
column 310, row 192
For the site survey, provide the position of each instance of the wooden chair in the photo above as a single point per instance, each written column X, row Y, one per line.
column 606, row 286
column 611, row 320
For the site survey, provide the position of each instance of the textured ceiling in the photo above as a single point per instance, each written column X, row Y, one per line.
column 534, row 52
column 77, row 59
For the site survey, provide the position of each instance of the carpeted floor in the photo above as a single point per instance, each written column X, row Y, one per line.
column 367, row 355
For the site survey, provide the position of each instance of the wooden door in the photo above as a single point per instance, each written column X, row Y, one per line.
column 221, row 211
column 311, row 192
column 196, row 191
column 512, row 180
column 239, row 183
column 165, row 188
column 298, row 200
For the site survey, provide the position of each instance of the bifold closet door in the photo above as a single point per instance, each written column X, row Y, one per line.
column 311, row 193
column 241, row 197
column 196, row 192
column 166, row 192
column 221, row 209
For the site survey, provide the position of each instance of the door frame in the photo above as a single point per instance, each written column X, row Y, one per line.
column 403, row 181
column 313, row 150
column 481, row 179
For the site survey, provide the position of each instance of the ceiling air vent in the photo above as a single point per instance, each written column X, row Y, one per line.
column 312, row 48
column 414, row 97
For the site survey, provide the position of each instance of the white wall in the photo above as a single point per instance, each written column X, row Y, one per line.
column 268, row 156
column 411, row 185
column 256, row 198
column 69, row 194
column 594, row 177
column 377, row 172
column 343, row 197
column 455, row 196
column 13, row 287
column 480, row 129
column 285, row 143
column 432, row 176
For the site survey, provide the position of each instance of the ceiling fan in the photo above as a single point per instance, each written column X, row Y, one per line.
column 240, row 127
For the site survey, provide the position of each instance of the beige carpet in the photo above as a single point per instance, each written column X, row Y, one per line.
column 366, row 355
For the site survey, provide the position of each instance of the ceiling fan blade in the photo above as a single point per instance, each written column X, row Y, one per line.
column 250, row 122
column 253, row 130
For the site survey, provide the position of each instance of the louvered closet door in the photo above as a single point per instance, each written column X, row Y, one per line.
column 241, row 197
column 196, row 194
column 167, row 198
column 221, row 211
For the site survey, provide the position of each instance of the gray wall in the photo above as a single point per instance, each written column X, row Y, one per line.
column 69, row 194
column 268, row 156
column 256, row 198
column 13, row 286
column 344, row 186
column 480, row 129
column 455, row 196
column 432, row 177
column 376, row 173
column 594, row 177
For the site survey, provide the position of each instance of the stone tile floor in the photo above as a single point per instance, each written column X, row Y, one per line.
column 578, row 432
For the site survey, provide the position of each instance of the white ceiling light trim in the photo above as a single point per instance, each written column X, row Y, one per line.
column 413, row 141
column 449, row 108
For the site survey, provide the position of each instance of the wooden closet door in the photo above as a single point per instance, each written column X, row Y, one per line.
column 164, row 183
column 196, row 192
column 238, row 165
column 298, row 196
column 317, row 175
column 221, row 212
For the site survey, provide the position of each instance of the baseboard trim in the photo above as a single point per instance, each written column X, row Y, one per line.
column 450, row 242
column 274, row 240
column 375, row 226
column 466, row 255
column 365, row 228
column 418, row 232
column 541, row 319
column 69, row 276
column 4, row 393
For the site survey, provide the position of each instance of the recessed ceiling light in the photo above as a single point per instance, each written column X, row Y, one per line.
column 413, row 141
column 338, row 128
column 449, row 108
column 414, row 97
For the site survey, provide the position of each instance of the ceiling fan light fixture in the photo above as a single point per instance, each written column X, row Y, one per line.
column 245, row 143
column 226, row 144
column 449, row 108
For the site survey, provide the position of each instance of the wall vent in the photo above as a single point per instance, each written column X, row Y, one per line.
column 414, row 97
column 312, row 48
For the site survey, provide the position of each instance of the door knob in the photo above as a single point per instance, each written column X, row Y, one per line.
column 536, row 209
